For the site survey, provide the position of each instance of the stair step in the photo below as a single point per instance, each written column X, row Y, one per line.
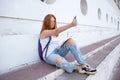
column 115, row 75
column 107, row 65
column 38, row 70
column 94, row 60
column 31, row 72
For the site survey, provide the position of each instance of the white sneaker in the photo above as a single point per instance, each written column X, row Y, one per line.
column 87, row 69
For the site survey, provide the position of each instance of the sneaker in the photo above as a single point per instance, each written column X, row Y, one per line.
column 87, row 69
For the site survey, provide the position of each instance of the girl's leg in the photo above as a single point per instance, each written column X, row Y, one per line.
column 57, row 58
column 70, row 45
column 60, row 61
column 84, row 68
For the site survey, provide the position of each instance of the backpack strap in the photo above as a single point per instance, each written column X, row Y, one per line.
column 46, row 47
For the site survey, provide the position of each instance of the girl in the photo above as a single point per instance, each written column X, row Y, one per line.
column 56, row 54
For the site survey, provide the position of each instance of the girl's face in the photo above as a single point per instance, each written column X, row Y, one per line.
column 52, row 22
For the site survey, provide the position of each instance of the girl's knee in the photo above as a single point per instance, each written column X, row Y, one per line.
column 70, row 41
column 59, row 59
column 62, row 63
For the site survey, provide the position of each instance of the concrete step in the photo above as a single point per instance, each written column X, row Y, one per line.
column 107, row 65
column 41, row 70
column 115, row 75
column 101, row 60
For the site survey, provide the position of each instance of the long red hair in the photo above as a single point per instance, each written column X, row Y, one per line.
column 46, row 23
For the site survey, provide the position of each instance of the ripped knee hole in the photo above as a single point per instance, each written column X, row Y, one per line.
column 59, row 59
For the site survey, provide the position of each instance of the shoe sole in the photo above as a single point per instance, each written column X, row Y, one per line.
column 90, row 73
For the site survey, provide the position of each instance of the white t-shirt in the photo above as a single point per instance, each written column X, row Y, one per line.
column 54, row 43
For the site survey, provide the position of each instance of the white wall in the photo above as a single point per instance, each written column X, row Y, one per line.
column 20, row 24
column 17, row 51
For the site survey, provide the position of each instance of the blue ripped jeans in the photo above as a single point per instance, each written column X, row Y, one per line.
column 62, row 52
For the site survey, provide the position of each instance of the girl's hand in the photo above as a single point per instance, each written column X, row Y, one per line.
column 74, row 22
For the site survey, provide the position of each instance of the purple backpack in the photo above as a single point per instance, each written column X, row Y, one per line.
column 45, row 48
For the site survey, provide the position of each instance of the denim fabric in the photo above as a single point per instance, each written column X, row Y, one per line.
column 62, row 52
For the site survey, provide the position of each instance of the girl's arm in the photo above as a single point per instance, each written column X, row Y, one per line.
column 56, row 31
